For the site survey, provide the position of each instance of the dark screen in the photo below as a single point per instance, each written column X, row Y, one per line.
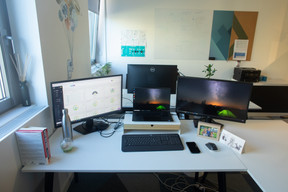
column 151, row 99
column 220, row 99
column 270, row 98
column 151, row 76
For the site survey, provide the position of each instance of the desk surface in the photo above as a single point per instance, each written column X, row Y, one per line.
column 93, row 153
column 265, row 154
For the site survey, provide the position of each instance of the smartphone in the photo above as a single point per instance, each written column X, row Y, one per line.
column 193, row 147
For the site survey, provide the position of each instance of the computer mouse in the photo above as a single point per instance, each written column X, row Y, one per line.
column 211, row 146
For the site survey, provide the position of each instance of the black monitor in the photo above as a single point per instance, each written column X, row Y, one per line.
column 151, row 76
column 211, row 98
column 86, row 99
column 271, row 98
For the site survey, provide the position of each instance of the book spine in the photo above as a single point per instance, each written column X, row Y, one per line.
column 47, row 146
column 44, row 145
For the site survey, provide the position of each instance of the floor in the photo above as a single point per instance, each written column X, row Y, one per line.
column 160, row 182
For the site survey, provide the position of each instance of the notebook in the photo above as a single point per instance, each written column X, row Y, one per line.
column 151, row 104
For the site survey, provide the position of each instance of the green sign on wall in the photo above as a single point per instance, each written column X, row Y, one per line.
column 133, row 51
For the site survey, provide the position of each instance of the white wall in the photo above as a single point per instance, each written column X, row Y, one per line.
column 54, row 45
column 277, row 65
column 11, row 177
column 24, row 28
column 49, row 50
column 270, row 44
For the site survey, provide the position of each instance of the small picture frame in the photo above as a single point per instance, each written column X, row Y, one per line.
column 209, row 130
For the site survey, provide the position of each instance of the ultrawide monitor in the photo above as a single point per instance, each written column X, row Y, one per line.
column 211, row 98
column 151, row 76
column 86, row 98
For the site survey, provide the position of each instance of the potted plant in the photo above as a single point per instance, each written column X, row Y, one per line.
column 209, row 71
column 102, row 70
column 21, row 69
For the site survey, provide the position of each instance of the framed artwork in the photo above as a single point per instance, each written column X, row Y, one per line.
column 229, row 27
column 209, row 130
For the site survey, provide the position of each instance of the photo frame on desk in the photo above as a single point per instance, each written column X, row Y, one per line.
column 209, row 130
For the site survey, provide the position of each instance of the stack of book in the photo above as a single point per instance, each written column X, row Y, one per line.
column 33, row 145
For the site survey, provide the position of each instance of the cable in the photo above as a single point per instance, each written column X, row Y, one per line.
column 177, row 185
column 117, row 125
column 181, row 74
column 180, row 183
column 128, row 99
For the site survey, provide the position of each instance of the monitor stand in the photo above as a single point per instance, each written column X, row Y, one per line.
column 90, row 126
column 205, row 119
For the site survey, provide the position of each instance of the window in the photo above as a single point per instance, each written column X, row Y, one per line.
column 3, row 93
column 93, row 17
column 98, row 41
column 9, row 88
column 93, row 32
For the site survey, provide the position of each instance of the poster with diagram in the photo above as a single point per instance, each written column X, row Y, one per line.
column 133, row 43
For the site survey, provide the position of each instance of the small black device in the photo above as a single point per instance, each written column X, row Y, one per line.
column 246, row 74
column 151, row 76
column 193, row 147
column 151, row 142
column 211, row 146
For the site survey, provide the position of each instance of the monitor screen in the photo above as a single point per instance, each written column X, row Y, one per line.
column 153, row 99
column 211, row 98
column 86, row 98
column 151, row 76
column 271, row 98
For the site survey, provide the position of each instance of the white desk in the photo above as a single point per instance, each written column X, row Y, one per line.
column 93, row 153
column 265, row 158
column 266, row 153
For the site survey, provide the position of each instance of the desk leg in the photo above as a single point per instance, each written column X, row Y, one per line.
column 221, row 181
column 196, row 176
column 49, row 178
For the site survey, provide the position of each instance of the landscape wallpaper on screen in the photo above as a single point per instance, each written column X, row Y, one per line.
column 151, row 99
column 214, row 98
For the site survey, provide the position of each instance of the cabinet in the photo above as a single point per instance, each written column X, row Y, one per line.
column 271, row 96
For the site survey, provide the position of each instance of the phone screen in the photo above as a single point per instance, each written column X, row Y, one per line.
column 193, row 147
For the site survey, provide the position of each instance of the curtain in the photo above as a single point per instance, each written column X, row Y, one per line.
column 93, row 31
column 97, row 31
column 93, row 15
column 101, row 52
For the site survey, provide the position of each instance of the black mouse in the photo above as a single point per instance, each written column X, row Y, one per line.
column 211, row 146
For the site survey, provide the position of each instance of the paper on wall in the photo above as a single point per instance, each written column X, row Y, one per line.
column 240, row 49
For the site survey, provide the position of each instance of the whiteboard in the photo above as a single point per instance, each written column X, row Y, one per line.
column 182, row 34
